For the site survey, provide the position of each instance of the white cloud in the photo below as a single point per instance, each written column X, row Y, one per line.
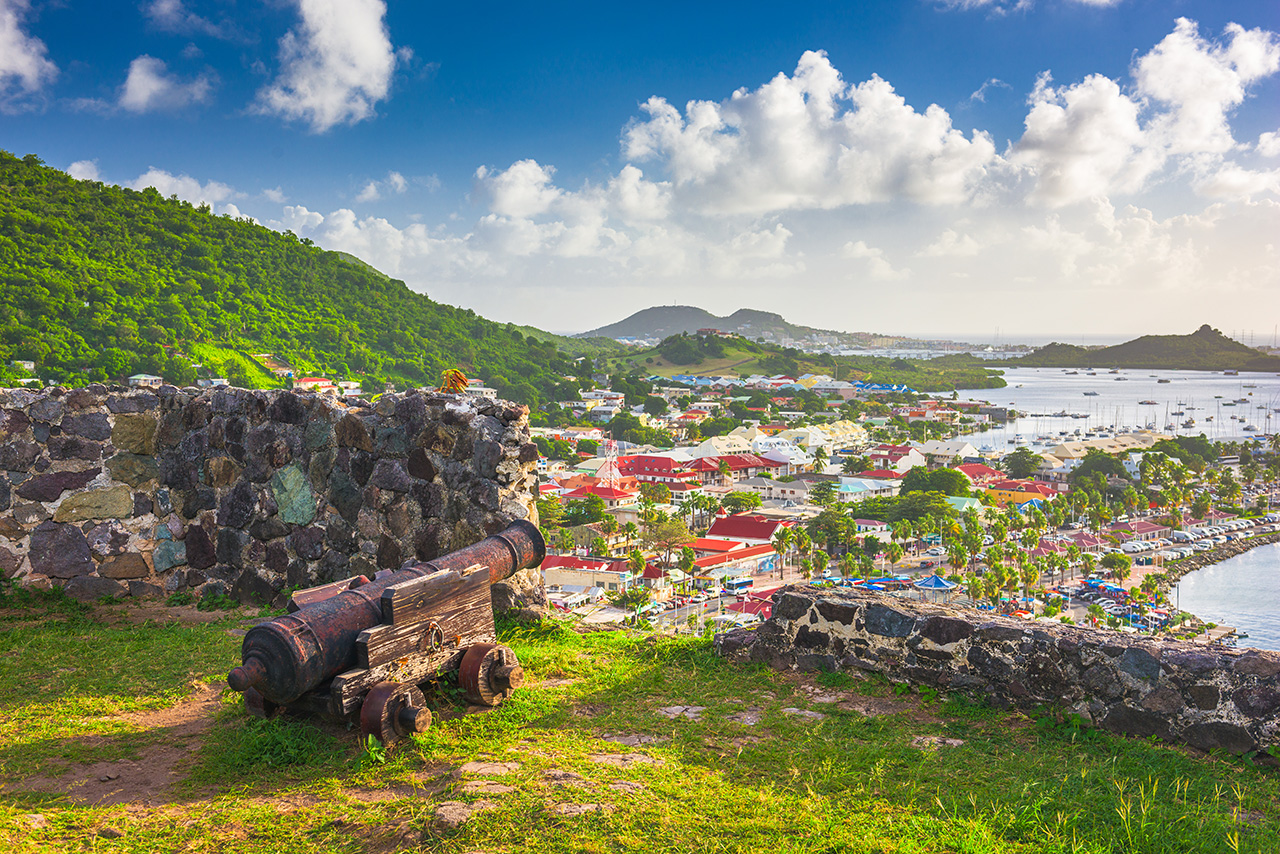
column 335, row 66
column 1093, row 138
column 1269, row 144
column 809, row 141
column 84, row 170
column 990, row 83
column 173, row 16
column 951, row 244
column 523, row 190
column 877, row 266
column 1199, row 82
column 1232, row 181
column 184, row 187
column 275, row 195
column 150, row 88
column 25, row 68
column 394, row 182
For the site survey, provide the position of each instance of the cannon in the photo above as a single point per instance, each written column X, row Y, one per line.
column 361, row 650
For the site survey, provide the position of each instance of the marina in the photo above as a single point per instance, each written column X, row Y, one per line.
column 1057, row 405
column 1243, row 591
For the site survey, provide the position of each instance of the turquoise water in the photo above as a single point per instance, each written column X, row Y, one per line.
column 1243, row 591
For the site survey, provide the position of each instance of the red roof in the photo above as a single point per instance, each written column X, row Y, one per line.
column 763, row 607
column 978, row 472
column 575, row 562
column 744, row 527
column 1023, row 486
column 712, row 561
column 715, row 546
column 735, row 462
column 608, row 493
column 881, row 474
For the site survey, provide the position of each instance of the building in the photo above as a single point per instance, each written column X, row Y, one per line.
column 776, row 490
column 1018, row 492
column 899, row 458
column 146, row 381
column 745, row 528
column 740, row 466
column 754, row 560
column 581, row 573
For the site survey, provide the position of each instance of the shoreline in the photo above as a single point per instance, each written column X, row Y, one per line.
column 1173, row 572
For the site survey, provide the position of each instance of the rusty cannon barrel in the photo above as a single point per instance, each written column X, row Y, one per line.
column 290, row 655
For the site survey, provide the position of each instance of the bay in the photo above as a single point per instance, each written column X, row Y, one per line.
column 1243, row 591
column 1048, row 398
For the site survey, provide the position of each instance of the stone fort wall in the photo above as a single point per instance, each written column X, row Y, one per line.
column 1207, row 697
column 111, row 492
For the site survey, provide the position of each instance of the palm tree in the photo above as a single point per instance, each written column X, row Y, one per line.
column 973, row 586
column 630, row 530
column 781, row 545
column 1029, row 575
column 893, row 554
column 819, row 458
column 1088, row 562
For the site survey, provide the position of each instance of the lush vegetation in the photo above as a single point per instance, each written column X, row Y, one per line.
column 1206, row 349
column 870, row 772
column 98, row 282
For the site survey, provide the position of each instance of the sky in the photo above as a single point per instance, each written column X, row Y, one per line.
column 964, row 168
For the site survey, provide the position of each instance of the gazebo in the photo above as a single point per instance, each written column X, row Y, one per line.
column 935, row 584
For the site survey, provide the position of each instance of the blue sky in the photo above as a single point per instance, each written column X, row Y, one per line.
column 946, row 168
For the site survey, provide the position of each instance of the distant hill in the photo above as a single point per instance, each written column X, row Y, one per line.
column 665, row 320
column 1206, row 349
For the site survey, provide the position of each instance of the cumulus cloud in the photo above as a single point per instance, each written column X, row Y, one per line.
column 275, row 194
column 1199, row 82
column 335, row 66
column 809, row 141
column 151, row 88
column 184, row 187
column 1095, row 138
column 25, row 68
column 370, row 193
column 84, row 170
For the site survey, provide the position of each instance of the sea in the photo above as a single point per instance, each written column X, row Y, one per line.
column 1055, row 403
column 1243, row 591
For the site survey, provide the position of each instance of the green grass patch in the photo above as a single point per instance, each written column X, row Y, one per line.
column 841, row 783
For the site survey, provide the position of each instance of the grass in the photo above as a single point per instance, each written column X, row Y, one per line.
column 215, row 356
column 843, row 783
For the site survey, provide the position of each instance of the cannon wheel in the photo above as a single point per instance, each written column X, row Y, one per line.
column 392, row 711
column 489, row 673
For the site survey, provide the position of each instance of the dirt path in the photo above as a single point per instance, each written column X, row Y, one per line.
column 147, row 780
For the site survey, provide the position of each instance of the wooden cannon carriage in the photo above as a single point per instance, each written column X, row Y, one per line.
column 363, row 649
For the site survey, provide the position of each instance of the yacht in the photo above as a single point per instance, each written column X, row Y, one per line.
column 1147, row 403
column 1090, row 394
column 1164, row 381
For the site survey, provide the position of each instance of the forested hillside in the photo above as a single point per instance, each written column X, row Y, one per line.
column 1206, row 349
column 99, row 282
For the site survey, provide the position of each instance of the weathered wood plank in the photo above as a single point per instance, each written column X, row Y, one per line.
column 424, row 597
column 467, row 616
column 347, row 689
column 312, row 595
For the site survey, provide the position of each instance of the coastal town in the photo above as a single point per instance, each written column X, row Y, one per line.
column 685, row 503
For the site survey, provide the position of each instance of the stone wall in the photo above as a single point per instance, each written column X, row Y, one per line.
column 1206, row 697
column 117, row 492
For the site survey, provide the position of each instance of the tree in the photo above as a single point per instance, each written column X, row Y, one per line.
column 667, row 535
column 550, row 511
column 1021, row 463
column 853, row 465
column 599, row 546
column 822, row 493
column 740, row 502
column 1118, row 563
column 819, row 458
column 782, row 544
column 585, row 511
column 658, row 493
column 688, row 562
column 631, row 598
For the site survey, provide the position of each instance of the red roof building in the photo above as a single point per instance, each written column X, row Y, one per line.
column 657, row 469
column 980, row 474
column 745, row 528
column 740, row 466
column 704, row 546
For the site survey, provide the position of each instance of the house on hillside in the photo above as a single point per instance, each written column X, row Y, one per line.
column 146, row 381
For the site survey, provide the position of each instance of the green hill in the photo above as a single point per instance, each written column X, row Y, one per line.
column 742, row 357
column 1206, row 349
column 98, row 282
